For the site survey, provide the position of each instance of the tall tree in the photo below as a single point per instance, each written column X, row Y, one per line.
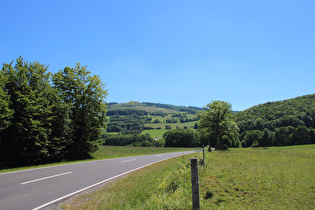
column 26, row 138
column 5, row 111
column 217, row 119
column 84, row 94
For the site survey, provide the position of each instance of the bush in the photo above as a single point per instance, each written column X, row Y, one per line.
column 181, row 138
column 168, row 127
column 123, row 140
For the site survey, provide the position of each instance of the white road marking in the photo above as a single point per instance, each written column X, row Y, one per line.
column 48, row 177
column 93, row 185
column 124, row 161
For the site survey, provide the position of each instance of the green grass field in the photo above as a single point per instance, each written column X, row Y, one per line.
column 155, row 133
column 262, row 178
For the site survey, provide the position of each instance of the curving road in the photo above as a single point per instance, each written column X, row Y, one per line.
column 41, row 187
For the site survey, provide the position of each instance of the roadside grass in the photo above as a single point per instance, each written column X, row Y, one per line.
column 260, row 178
column 107, row 152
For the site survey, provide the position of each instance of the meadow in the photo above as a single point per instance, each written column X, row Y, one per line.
column 262, row 178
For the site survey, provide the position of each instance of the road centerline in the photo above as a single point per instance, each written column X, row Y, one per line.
column 48, row 177
column 124, row 161
column 159, row 155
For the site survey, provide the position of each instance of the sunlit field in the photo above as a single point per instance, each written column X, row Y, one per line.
column 263, row 178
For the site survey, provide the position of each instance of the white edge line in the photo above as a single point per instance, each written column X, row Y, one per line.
column 48, row 177
column 93, row 185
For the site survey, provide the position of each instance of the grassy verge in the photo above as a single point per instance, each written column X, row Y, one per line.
column 263, row 178
column 106, row 152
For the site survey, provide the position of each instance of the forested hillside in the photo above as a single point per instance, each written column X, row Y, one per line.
column 278, row 123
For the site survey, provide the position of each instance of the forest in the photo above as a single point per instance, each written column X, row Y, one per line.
column 47, row 117
column 280, row 123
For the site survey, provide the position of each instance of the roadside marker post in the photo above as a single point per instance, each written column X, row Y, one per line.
column 195, row 183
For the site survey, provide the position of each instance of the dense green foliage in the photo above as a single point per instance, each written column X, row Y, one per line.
column 278, row 123
column 112, row 112
column 47, row 117
column 181, row 138
column 136, row 140
column 216, row 119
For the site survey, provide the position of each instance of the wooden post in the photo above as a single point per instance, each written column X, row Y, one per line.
column 203, row 150
column 195, row 183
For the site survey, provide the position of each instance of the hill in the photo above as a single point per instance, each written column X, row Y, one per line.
column 277, row 123
column 283, row 122
column 153, row 118
column 151, row 107
column 274, row 110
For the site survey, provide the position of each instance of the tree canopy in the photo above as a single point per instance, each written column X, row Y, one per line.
column 48, row 117
column 278, row 123
column 217, row 120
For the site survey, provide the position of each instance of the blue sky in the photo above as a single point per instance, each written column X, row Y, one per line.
column 175, row 52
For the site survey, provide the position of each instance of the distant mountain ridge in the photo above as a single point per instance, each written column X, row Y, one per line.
column 152, row 107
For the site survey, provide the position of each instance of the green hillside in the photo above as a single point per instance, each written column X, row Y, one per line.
column 275, row 110
column 282, row 122
column 153, row 107
column 148, row 118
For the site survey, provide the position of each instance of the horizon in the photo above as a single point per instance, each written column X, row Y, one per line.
column 204, row 105
column 175, row 52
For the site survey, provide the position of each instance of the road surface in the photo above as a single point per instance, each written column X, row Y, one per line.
column 41, row 187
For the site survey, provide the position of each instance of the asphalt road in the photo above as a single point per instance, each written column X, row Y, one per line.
column 39, row 188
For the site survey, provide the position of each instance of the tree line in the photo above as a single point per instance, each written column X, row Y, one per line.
column 112, row 112
column 136, row 140
column 48, row 117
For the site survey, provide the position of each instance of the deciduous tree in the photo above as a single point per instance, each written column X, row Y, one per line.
column 217, row 119
column 85, row 95
column 25, row 139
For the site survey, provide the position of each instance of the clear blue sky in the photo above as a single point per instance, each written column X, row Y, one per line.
column 175, row 52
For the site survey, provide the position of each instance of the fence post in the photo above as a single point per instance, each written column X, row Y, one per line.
column 195, row 183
